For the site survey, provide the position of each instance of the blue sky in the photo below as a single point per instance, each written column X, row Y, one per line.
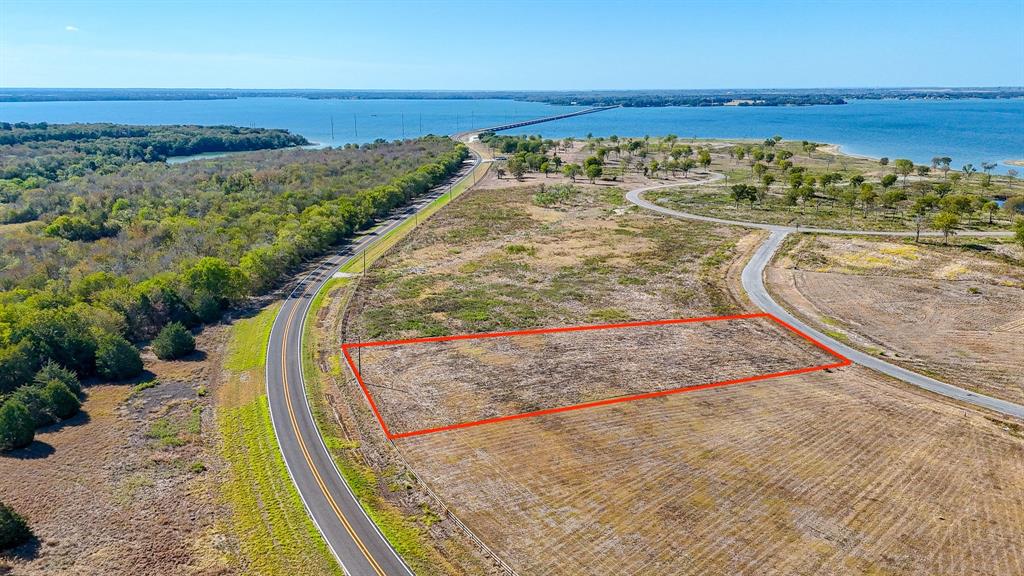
column 511, row 45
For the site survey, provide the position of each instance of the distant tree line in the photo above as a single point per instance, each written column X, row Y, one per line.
column 187, row 242
column 58, row 151
column 765, row 97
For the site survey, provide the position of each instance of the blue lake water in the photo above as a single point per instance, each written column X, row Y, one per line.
column 966, row 130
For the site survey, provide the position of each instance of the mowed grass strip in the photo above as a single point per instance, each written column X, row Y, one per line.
column 275, row 534
column 404, row 530
column 381, row 246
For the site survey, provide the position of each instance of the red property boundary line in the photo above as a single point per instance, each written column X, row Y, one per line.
column 345, row 348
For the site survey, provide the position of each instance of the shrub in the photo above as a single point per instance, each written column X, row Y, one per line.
column 17, row 429
column 116, row 358
column 174, row 341
column 14, row 530
column 61, row 401
column 1014, row 205
column 39, row 409
column 16, row 366
column 53, row 371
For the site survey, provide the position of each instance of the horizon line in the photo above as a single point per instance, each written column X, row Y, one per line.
column 491, row 90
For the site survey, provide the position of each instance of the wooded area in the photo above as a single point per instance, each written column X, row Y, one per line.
column 118, row 256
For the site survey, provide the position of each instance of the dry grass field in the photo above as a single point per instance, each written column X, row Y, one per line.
column 954, row 312
column 841, row 472
column 436, row 384
column 129, row 485
column 838, row 473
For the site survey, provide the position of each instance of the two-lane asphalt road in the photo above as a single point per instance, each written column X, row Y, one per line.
column 353, row 538
column 753, row 284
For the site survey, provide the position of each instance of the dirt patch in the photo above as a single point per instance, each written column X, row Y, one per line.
column 127, row 486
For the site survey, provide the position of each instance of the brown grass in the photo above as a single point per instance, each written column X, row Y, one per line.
column 953, row 313
column 113, row 491
column 840, row 473
column 831, row 473
column 430, row 385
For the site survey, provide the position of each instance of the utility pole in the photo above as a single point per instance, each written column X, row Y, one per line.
column 332, row 128
column 355, row 125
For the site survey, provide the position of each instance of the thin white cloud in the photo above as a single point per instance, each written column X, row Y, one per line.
column 70, row 28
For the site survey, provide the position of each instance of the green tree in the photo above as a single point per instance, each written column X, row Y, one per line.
column 262, row 267
column 17, row 363
column 959, row 204
column 947, row 223
column 704, row 158
column 594, row 172
column 891, row 198
column 741, row 192
column 903, row 167
column 14, row 530
column 174, row 341
column 517, row 167
column 17, row 427
column 62, row 335
column 991, row 207
column 848, row 198
column 116, row 358
column 888, row 180
column 39, row 408
column 61, row 401
column 572, row 171
column 1018, row 232
column 943, row 162
column 53, row 371
column 867, row 197
column 215, row 277
column 686, row 165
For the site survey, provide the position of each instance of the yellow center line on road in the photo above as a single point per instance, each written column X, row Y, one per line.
column 305, row 451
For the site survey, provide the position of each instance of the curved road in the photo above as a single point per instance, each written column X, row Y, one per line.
column 753, row 283
column 350, row 534
column 352, row 537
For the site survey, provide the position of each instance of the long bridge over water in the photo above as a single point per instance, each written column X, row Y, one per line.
column 546, row 119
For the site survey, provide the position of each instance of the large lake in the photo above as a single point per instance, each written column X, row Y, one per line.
column 966, row 130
